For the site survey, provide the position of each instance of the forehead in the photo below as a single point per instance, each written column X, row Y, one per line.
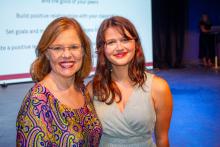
column 69, row 35
column 115, row 32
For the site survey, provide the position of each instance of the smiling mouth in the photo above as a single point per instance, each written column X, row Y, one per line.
column 67, row 64
column 120, row 55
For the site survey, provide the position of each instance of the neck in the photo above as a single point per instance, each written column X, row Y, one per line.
column 60, row 83
column 120, row 74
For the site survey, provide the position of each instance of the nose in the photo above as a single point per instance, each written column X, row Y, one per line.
column 119, row 45
column 66, row 52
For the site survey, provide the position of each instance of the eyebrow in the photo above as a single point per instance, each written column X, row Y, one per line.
column 65, row 45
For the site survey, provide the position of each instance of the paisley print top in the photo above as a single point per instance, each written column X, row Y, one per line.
column 44, row 122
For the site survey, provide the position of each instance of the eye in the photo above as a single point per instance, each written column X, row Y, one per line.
column 125, row 40
column 57, row 48
column 74, row 47
column 111, row 42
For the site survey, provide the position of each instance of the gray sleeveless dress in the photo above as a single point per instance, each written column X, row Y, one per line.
column 135, row 125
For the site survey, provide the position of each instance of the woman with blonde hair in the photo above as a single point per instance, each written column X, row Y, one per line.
column 57, row 111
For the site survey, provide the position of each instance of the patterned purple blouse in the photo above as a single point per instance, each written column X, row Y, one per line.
column 44, row 122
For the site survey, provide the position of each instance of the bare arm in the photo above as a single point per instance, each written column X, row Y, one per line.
column 163, row 106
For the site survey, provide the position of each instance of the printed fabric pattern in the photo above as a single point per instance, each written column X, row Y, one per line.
column 44, row 122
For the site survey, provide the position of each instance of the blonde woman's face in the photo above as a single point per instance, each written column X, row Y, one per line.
column 65, row 54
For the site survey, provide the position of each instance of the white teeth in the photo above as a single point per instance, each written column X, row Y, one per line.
column 66, row 64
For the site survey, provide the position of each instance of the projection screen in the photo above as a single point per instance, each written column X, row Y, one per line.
column 22, row 24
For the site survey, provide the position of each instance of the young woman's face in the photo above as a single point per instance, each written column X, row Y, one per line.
column 118, row 49
column 65, row 54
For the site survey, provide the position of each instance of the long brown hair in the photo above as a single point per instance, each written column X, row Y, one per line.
column 103, row 86
column 41, row 66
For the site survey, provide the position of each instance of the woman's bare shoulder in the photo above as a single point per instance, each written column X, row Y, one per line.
column 161, row 92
